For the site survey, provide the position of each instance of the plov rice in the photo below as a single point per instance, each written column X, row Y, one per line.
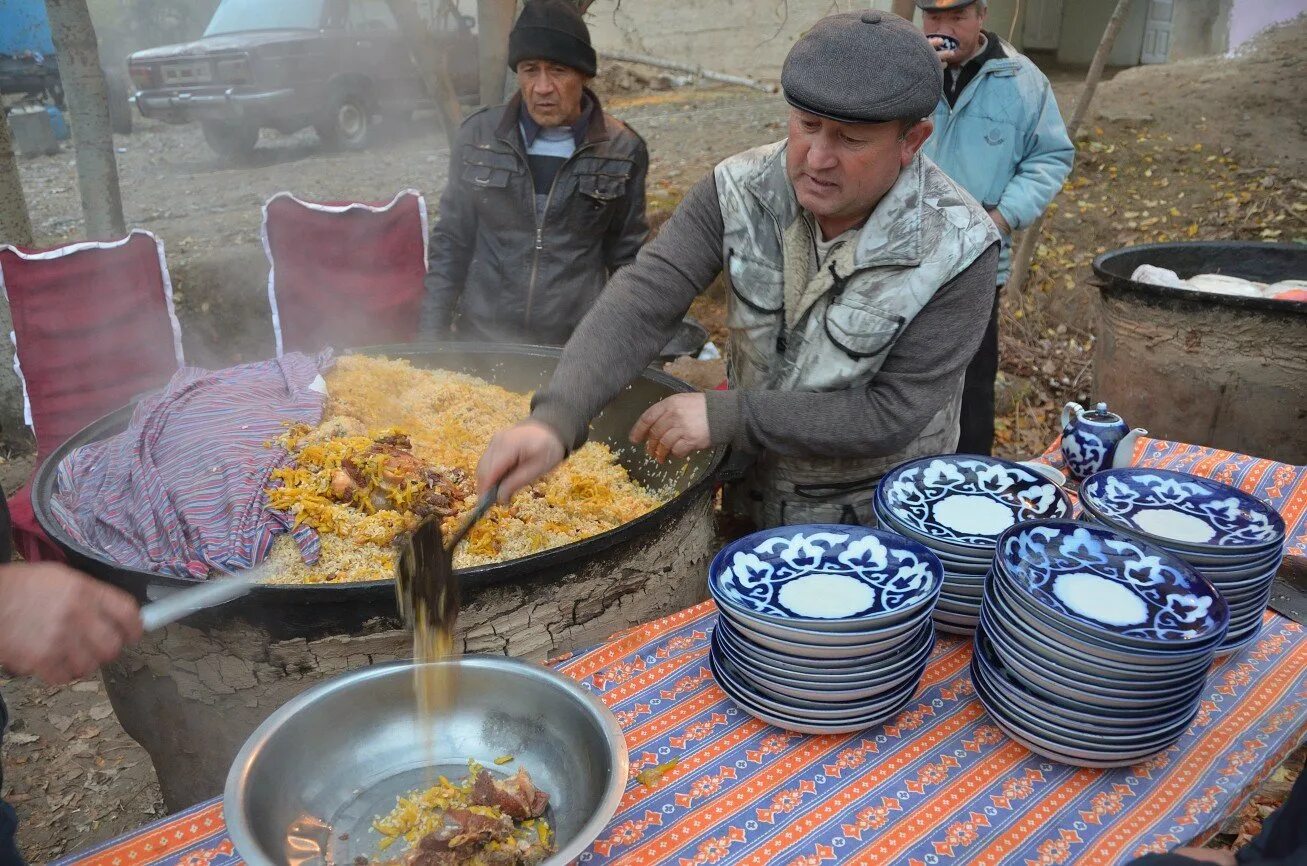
column 400, row 442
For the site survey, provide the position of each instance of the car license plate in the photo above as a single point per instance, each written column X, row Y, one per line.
column 196, row 72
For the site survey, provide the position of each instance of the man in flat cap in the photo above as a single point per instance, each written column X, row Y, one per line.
column 860, row 278
column 545, row 198
column 999, row 134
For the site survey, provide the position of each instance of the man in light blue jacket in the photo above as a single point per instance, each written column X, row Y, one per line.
column 999, row 134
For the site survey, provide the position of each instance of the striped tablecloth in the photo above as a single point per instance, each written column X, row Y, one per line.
column 940, row 785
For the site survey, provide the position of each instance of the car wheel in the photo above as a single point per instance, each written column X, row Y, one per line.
column 120, row 107
column 349, row 124
column 231, row 141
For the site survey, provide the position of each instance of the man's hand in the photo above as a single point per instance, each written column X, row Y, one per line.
column 1003, row 227
column 945, row 55
column 675, row 426
column 1208, row 855
column 518, row 456
column 60, row 624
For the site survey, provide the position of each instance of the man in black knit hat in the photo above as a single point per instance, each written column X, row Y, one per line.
column 545, row 198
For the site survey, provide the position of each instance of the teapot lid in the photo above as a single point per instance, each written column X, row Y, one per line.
column 1100, row 414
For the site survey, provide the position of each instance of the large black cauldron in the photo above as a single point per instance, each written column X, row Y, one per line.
column 1218, row 370
column 192, row 693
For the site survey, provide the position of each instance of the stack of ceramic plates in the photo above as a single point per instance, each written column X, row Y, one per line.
column 823, row 629
column 1234, row 540
column 1093, row 647
column 957, row 506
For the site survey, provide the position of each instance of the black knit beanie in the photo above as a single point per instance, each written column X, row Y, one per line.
column 552, row 30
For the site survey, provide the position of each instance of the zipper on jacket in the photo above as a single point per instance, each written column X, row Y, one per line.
column 540, row 231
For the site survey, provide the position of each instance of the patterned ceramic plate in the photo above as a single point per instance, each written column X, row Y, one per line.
column 826, row 576
column 1111, row 585
column 1183, row 511
column 966, row 502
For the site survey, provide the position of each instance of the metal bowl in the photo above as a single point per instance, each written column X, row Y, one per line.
column 307, row 785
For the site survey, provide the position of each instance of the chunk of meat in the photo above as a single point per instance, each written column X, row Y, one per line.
column 399, row 440
column 516, row 796
column 474, row 829
column 342, row 486
column 398, row 465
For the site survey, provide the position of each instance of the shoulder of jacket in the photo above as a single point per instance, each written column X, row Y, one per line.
column 621, row 129
column 486, row 116
column 1023, row 67
column 945, row 199
column 756, row 159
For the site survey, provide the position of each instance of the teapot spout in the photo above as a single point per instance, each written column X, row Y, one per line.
column 1125, row 449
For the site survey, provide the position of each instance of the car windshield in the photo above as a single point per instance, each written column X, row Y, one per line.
column 235, row 16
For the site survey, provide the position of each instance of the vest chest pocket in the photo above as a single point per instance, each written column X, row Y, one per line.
column 753, row 315
column 489, row 169
column 860, row 331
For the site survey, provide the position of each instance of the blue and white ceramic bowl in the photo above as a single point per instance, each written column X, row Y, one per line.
column 1011, row 682
column 800, row 723
column 857, row 664
column 1183, row 512
column 1099, row 692
column 890, row 678
column 846, row 711
column 826, row 578
column 815, row 643
column 1136, row 670
column 1051, row 737
column 1111, row 587
column 1047, row 629
column 962, row 503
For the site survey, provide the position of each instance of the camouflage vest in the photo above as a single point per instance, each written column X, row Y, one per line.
column 794, row 327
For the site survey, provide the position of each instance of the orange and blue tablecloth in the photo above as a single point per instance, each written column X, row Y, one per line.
column 939, row 785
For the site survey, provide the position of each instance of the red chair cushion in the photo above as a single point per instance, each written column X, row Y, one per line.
column 30, row 540
column 94, row 327
column 345, row 275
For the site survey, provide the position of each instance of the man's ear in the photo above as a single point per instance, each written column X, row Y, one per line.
column 914, row 139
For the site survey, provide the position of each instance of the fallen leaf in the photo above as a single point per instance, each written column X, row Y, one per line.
column 89, row 732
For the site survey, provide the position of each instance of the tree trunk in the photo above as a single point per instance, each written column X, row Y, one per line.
column 15, row 225
column 431, row 63
column 494, row 21
column 87, row 97
column 15, row 228
column 1025, row 252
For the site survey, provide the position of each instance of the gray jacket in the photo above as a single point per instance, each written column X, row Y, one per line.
column 496, row 271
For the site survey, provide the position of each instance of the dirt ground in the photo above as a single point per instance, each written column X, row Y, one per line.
column 1207, row 149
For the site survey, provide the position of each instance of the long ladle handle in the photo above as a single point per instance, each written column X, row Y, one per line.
column 482, row 506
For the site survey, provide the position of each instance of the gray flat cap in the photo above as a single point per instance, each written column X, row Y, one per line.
column 863, row 67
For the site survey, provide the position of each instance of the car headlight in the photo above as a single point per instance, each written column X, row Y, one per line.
column 142, row 76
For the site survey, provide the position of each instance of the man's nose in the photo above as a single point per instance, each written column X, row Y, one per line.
column 543, row 85
column 821, row 155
